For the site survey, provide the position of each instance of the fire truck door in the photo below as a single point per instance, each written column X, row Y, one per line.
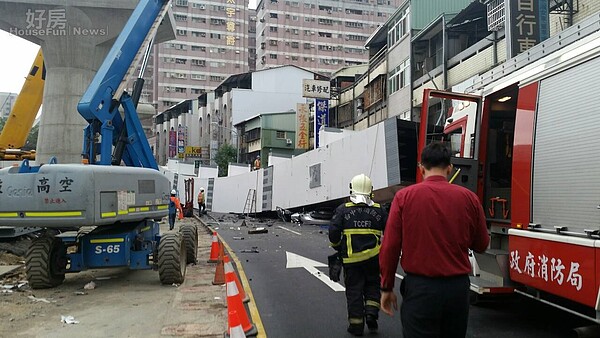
column 453, row 118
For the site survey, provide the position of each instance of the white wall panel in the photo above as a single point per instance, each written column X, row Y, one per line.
column 360, row 152
column 230, row 192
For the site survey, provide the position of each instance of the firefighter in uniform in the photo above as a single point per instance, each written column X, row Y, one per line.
column 355, row 232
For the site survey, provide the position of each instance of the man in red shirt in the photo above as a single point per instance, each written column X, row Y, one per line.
column 432, row 225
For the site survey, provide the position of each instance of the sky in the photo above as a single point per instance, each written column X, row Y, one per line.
column 16, row 57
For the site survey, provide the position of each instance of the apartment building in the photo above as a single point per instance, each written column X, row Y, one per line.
column 7, row 100
column 212, row 42
column 321, row 36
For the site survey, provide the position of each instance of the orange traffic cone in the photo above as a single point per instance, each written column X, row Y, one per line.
column 220, row 270
column 229, row 269
column 234, row 303
column 214, row 248
column 235, row 329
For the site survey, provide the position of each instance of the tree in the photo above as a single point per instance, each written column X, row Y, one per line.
column 225, row 155
column 31, row 141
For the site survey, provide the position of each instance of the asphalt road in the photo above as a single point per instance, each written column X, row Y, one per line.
column 294, row 303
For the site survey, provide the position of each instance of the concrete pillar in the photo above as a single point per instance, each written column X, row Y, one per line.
column 75, row 37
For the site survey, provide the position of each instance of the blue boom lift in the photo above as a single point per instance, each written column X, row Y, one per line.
column 120, row 204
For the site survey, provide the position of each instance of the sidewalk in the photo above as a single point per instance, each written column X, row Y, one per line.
column 201, row 307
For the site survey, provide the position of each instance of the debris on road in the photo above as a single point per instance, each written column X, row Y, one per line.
column 90, row 286
column 80, row 293
column 238, row 238
column 258, row 231
column 68, row 320
column 253, row 250
column 41, row 300
column 103, row 278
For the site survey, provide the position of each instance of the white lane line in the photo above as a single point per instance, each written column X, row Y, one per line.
column 292, row 231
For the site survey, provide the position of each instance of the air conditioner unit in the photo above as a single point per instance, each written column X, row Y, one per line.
column 202, row 7
column 288, row 141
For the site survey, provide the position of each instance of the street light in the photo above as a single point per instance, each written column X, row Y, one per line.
column 237, row 155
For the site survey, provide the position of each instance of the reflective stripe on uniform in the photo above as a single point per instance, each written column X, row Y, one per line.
column 372, row 303
column 363, row 255
column 352, row 204
column 355, row 320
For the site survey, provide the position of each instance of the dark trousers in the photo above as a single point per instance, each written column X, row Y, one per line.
column 172, row 221
column 201, row 208
column 362, row 289
column 434, row 307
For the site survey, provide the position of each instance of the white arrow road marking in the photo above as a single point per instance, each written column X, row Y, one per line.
column 297, row 261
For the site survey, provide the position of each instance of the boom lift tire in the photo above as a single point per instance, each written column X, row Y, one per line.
column 45, row 262
column 171, row 258
column 190, row 238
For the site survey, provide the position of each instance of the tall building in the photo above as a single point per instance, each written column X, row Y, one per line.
column 7, row 100
column 319, row 35
column 212, row 43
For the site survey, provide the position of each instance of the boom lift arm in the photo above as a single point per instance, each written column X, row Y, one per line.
column 19, row 122
column 101, row 102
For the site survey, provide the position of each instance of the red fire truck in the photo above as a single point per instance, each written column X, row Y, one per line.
column 525, row 137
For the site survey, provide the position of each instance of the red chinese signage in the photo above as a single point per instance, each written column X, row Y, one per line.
column 563, row 269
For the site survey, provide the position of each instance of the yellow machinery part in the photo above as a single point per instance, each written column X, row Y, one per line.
column 23, row 113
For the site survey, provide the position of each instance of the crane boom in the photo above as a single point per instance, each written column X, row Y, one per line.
column 22, row 115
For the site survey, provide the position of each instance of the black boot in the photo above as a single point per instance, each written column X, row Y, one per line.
column 356, row 329
column 372, row 323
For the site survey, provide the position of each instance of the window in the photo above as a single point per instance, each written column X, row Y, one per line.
column 356, row 37
column 182, row 3
column 199, row 48
column 273, row 29
column 354, row 24
column 295, row 31
column 399, row 77
column 295, row 44
column 272, row 56
column 196, row 91
column 199, row 63
column 180, row 90
column 199, row 6
column 294, row 58
column 199, row 77
column 181, row 32
column 273, row 15
column 217, row 22
column 199, row 34
column 399, row 29
column 280, row 135
column 272, row 42
column 324, row 34
column 306, row 45
column 327, row 22
column 216, row 78
column 354, row 11
column 215, row 36
column 180, row 61
column 180, row 17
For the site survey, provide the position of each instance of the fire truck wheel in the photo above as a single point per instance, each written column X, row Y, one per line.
column 46, row 262
column 171, row 258
column 190, row 239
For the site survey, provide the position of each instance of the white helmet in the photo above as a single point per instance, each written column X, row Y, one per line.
column 202, row 189
column 361, row 188
column 173, row 192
